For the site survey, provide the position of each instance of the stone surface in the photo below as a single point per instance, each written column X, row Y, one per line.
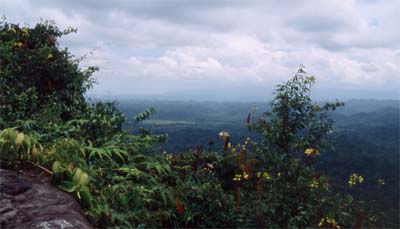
column 28, row 200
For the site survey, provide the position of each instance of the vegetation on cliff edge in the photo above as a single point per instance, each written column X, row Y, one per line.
column 121, row 181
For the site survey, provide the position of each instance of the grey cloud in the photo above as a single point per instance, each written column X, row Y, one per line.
column 191, row 43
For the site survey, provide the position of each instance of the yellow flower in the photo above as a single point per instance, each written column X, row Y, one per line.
column 168, row 157
column 264, row 175
column 224, row 134
column 237, row 177
column 311, row 151
column 50, row 56
column 354, row 179
column 372, row 219
column 314, row 184
column 209, row 168
column 329, row 221
column 321, row 222
column 18, row 44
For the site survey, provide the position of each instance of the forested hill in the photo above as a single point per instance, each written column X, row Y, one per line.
column 373, row 121
column 234, row 111
column 363, row 129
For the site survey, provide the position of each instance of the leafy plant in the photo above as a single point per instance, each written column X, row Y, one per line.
column 37, row 76
column 73, row 181
column 15, row 147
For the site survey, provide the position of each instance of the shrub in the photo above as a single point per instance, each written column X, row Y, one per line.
column 37, row 76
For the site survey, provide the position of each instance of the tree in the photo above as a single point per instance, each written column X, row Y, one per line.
column 295, row 131
column 37, row 76
column 295, row 122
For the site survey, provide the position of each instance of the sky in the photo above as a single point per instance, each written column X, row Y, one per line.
column 227, row 50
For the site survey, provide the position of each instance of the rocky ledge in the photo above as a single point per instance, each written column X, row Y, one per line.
column 28, row 200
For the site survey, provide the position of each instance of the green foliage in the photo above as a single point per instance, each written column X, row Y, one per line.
column 121, row 182
column 295, row 123
column 294, row 134
column 16, row 147
column 37, row 76
column 73, row 181
column 145, row 115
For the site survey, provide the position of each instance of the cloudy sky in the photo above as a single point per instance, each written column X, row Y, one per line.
column 228, row 49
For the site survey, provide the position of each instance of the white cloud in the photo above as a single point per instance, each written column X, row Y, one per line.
column 245, row 59
column 170, row 46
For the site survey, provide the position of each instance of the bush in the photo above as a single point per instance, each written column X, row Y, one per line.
column 37, row 76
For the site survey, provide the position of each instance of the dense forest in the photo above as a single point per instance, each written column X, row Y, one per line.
column 195, row 164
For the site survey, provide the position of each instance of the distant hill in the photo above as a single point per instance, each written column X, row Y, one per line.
column 367, row 105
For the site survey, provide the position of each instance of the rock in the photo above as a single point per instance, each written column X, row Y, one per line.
column 32, row 202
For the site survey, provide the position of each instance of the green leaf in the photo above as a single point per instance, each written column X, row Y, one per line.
column 86, row 198
column 56, row 167
column 77, row 176
column 67, row 186
column 84, row 179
